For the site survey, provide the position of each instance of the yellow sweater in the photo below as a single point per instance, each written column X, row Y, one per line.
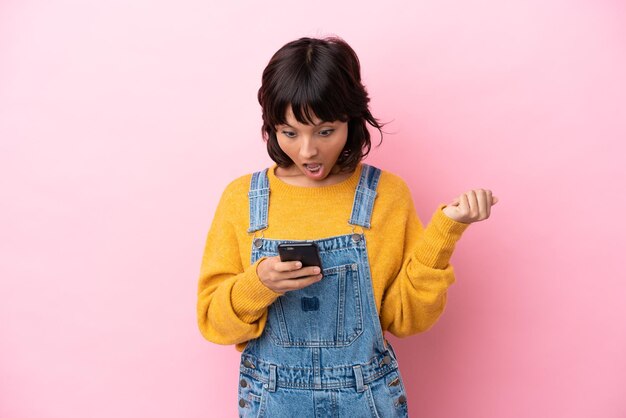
column 409, row 264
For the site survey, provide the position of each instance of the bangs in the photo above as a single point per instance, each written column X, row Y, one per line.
column 309, row 97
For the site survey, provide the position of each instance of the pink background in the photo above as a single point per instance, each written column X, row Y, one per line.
column 121, row 123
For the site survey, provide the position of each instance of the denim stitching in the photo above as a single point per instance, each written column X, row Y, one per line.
column 284, row 337
column 258, row 197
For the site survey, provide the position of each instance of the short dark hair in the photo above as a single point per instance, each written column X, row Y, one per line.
column 322, row 76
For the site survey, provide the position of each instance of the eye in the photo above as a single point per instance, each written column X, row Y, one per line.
column 288, row 134
column 326, row 132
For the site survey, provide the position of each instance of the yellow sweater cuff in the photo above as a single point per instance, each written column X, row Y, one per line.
column 250, row 297
column 439, row 239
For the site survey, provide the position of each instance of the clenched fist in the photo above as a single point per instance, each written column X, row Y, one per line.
column 472, row 206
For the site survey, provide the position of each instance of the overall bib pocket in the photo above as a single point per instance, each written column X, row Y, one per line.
column 325, row 314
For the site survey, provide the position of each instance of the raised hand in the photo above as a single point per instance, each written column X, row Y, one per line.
column 472, row 206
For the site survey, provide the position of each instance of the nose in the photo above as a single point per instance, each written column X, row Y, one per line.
column 308, row 149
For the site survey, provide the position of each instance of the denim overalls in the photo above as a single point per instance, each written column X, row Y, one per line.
column 322, row 352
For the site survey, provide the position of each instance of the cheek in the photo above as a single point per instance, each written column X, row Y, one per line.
column 341, row 145
column 344, row 137
column 286, row 146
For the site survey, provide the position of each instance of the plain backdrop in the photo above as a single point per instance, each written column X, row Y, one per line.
column 122, row 121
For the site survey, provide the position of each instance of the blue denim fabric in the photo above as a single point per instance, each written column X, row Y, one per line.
column 258, row 196
column 322, row 352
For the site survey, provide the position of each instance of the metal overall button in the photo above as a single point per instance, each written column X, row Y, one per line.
column 257, row 242
column 356, row 237
column 243, row 383
column 248, row 364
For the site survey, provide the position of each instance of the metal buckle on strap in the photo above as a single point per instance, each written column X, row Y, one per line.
column 257, row 242
column 356, row 236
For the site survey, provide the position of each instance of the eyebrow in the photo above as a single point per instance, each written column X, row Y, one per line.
column 319, row 124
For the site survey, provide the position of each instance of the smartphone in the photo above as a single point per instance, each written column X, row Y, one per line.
column 307, row 253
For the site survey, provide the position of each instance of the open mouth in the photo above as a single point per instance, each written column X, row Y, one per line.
column 313, row 168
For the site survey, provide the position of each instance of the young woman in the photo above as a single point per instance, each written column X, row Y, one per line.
column 312, row 337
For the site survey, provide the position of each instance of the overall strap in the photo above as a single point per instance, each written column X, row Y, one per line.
column 258, row 197
column 364, row 196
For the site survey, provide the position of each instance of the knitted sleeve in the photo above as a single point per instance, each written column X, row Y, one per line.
column 232, row 301
column 416, row 297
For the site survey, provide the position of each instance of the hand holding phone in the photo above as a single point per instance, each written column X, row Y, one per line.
column 285, row 275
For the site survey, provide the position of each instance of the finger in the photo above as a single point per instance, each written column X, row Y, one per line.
column 474, row 210
column 482, row 204
column 495, row 200
column 488, row 202
column 303, row 272
column 287, row 266
column 464, row 205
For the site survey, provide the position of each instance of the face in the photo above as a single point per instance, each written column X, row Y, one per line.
column 314, row 149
